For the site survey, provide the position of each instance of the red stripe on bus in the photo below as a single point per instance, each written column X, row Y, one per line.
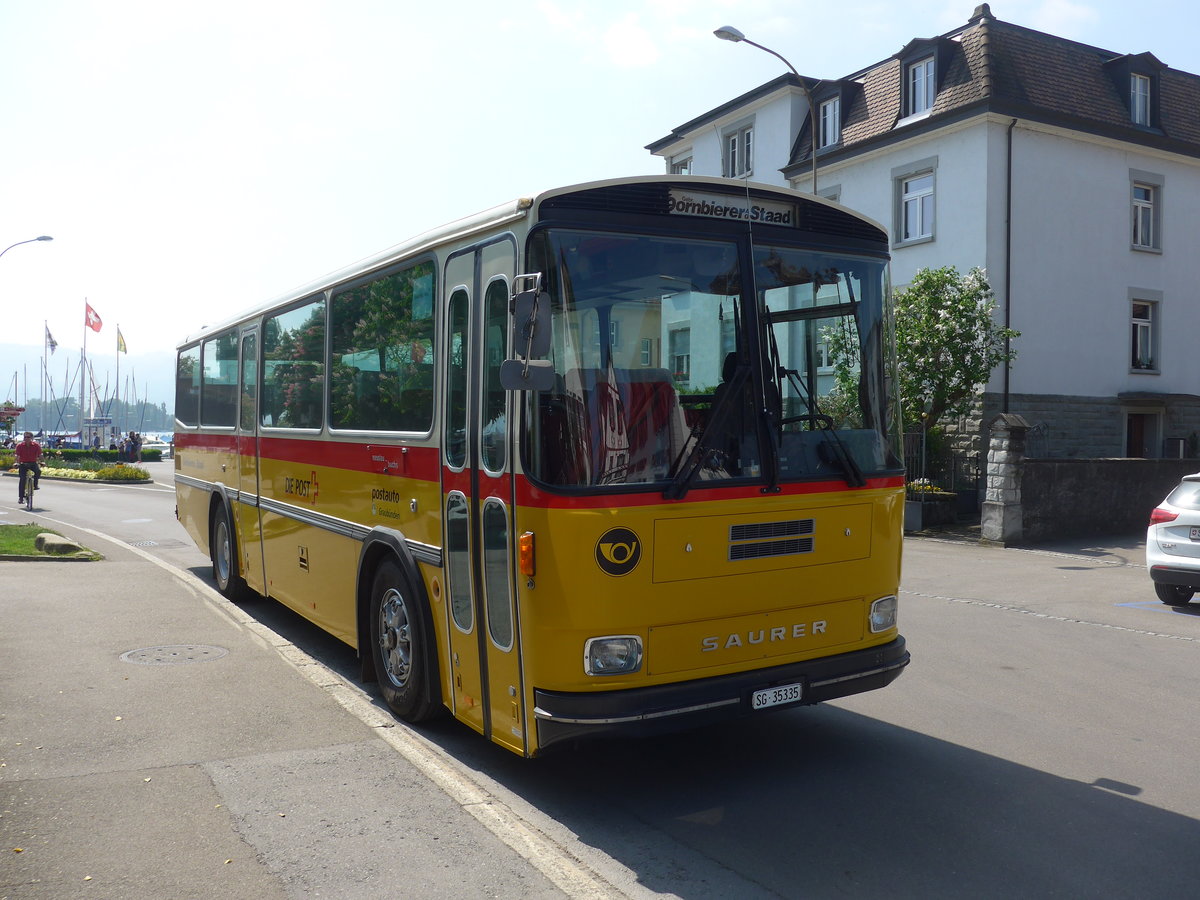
column 423, row 463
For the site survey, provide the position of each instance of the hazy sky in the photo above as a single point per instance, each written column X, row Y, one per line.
column 192, row 160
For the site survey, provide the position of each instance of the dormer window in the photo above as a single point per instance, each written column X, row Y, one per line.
column 1137, row 78
column 831, row 122
column 920, row 86
column 1139, row 99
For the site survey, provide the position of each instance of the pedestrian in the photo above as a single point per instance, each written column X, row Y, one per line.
column 28, row 453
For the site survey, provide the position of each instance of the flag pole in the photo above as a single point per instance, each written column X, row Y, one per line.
column 83, row 370
column 118, row 368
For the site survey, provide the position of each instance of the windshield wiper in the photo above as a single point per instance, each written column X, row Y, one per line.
column 696, row 452
column 832, row 450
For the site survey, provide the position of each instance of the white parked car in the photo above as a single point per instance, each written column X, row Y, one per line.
column 158, row 445
column 1173, row 543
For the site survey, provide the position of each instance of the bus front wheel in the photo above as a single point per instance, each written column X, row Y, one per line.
column 402, row 645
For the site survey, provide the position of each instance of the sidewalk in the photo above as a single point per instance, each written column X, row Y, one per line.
column 153, row 746
column 1125, row 548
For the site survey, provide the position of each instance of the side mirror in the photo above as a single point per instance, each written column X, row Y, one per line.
column 527, row 375
column 530, row 340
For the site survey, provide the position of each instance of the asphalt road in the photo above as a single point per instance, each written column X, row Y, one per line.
column 1040, row 745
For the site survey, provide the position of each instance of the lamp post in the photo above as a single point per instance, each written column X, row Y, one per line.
column 44, row 237
column 729, row 33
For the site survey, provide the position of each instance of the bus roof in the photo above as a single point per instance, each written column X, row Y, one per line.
column 490, row 218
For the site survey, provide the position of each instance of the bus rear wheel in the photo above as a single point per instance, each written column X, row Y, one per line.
column 402, row 646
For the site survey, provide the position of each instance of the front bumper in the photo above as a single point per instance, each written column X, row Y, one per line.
column 562, row 716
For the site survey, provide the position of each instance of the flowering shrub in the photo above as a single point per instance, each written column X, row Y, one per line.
column 110, row 473
column 925, row 489
column 122, row 472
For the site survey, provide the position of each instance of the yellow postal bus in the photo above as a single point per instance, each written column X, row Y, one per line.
column 612, row 458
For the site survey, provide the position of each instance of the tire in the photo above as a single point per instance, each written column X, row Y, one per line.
column 223, row 550
column 402, row 646
column 1173, row 594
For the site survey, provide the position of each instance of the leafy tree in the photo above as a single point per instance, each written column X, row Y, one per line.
column 948, row 342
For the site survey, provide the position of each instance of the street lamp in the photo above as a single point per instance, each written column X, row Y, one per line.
column 729, row 33
column 44, row 237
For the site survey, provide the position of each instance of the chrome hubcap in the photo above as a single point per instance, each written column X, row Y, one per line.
column 395, row 642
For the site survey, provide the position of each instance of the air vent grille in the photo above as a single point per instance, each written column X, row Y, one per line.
column 760, row 540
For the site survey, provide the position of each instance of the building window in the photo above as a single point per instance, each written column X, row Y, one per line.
column 1139, row 99
column 1145, row 199
column 647, row 352
column 681, row 165
column 680, row 347
column 1143, row 335
column 739, row 152
column 919, row 86
column 916, row 201
column 1143, row 215
column 831, row 122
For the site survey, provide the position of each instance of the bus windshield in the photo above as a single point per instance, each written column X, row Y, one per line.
column 664, row 374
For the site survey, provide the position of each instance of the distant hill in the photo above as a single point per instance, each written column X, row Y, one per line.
column 21, row 366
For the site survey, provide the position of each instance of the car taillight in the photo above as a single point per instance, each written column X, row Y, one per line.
column 1160, row 515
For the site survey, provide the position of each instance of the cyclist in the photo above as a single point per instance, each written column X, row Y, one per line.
column 28, row 453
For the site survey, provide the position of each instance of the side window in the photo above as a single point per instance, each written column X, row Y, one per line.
column 381, row 357
column 495, row 398
column 219, row 378
column 187, row 386
column 293, row 382
column 246, row 419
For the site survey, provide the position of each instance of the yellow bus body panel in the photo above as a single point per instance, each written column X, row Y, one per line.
column 697, row 612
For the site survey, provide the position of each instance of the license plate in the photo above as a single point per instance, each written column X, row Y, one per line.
column 773, row 696
column 1195, row 533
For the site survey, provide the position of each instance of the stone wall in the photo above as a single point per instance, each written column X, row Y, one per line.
column 1071, row 427
column 1081, row 497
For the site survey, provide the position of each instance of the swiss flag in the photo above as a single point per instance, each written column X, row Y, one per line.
column 91, row 319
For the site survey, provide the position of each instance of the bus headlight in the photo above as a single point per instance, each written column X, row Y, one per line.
column 615, row 655
column 883, row 614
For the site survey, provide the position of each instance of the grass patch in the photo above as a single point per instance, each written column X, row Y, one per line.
column 18, row 540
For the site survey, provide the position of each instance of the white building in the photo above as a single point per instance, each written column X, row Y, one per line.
column 1071, row 173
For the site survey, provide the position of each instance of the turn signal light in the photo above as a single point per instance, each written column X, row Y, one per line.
column 525, row 554
column 1160, row 515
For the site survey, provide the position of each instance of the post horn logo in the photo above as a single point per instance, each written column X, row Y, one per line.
column 618, row 551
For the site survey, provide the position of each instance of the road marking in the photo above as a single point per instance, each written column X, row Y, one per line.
column 1048, row 617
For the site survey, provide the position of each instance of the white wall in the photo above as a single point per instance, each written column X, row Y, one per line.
column 1073, row 268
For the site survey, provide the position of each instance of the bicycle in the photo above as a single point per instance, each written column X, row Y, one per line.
column 27, row 475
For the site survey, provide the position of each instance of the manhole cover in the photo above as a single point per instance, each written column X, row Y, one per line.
column 173, row 655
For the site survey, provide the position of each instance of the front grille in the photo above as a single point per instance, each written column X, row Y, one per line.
column 760, row 540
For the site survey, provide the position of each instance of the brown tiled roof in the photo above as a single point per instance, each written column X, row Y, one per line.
column 1000, row 67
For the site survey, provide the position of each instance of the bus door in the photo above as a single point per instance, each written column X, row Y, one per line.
column 248, row 525
column 477, row 496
